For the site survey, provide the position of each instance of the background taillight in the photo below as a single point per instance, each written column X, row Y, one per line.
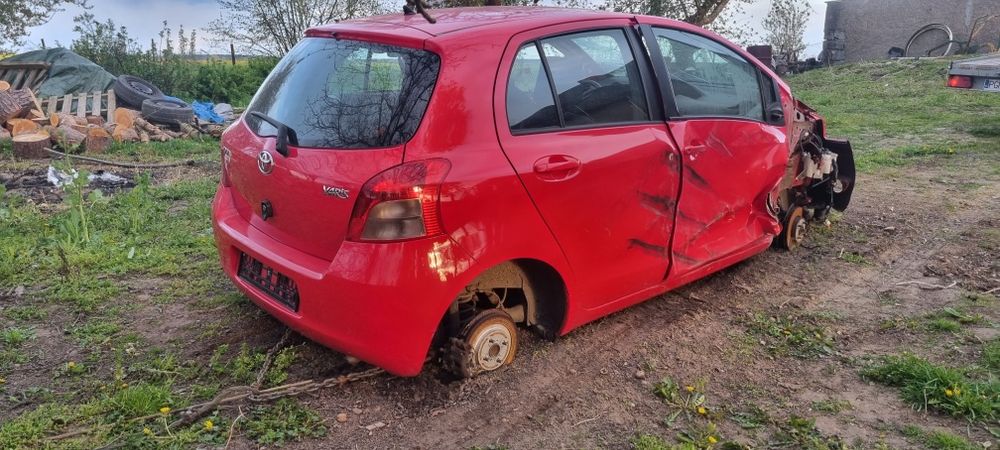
column 400, row 203
column 960, row 82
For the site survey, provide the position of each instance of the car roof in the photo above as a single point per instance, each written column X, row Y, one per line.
column 452, row 20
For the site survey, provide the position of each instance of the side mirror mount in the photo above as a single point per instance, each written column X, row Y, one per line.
column 775, row 114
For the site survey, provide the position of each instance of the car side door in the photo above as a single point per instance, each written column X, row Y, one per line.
column 732, row 134
column 577, row 122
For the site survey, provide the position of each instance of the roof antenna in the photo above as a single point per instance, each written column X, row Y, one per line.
column 421, row 7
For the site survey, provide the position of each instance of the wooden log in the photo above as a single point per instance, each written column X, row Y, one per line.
column 68, row 138
column 21, row 126
column 125, row 134
column 97, row 140
column 31, row 146
column 4, row 135
column 4, row 85
column 125, row 117
column 95, row 120
column 15, row 103
column 142, row 124
column 144, row 136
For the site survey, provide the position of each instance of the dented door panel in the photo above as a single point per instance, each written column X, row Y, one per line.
column 729, row 168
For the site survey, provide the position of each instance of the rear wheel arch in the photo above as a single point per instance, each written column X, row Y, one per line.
column 531, row 291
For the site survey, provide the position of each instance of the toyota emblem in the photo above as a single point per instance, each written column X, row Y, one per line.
column 265, row 162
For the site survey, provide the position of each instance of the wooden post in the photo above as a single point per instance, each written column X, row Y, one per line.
column 111, row 105
column 43, row 44
column 232, row 52
column 81, row 106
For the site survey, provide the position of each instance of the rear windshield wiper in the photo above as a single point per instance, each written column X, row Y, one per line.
column 285, row 135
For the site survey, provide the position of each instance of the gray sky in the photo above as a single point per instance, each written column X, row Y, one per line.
column 144, row 19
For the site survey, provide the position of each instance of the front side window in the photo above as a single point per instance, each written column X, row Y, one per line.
column 594, row 77
column 708, row 78
column 347, row 94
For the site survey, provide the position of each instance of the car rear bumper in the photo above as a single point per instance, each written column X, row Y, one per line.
column 380, row 303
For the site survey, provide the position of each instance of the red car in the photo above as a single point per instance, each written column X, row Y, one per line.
column 399, row 186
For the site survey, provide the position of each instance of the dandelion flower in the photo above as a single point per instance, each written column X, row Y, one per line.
column 702, row 410
column 958, row 392
column 949, row 393
column 3, row 380
column 124, row 385
column 71, row 365
column 689, row 388
column 165, row 410
column 712, row 440
column 209, row 426
column 147, row 431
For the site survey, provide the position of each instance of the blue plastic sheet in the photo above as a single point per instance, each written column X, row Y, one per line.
column 205, row 112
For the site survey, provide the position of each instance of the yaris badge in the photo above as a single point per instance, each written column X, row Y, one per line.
column 334, row 191
column 265, row 162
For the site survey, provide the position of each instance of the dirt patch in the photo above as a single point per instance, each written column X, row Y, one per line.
column 581, row 391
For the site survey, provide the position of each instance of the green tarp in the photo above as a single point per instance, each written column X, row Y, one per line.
column 69, row 73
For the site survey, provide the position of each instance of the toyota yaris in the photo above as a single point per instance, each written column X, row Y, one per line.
column 398, row 187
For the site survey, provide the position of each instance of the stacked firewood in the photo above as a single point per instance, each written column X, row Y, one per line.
column 32, row 132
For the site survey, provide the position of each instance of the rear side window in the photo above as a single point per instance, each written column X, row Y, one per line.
column 529, row 98
column 347, row 94
column 708, row 78
column 594, row 77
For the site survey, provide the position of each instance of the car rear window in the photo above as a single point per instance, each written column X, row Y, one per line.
column 347, row 94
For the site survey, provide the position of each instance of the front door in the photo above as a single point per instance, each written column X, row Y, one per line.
column 733, row 157
column 599, row 165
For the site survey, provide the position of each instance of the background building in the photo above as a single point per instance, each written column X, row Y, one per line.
column 866, row 29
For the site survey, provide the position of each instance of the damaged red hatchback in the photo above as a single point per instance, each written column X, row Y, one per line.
column 398, row 186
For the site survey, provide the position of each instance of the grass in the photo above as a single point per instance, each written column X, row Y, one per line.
column 801, row 336
column 284, row 421
column 938, row 440
column 900, row 112
column 931, row 387
column 991, row 355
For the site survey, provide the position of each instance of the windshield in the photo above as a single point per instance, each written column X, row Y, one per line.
column 347, row 94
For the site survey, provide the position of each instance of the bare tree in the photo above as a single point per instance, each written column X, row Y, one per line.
column 18, row 16
column 698, row 12
column 272, row 27
column 786, row 27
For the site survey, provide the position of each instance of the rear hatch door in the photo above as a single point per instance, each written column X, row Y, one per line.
column 351, row 106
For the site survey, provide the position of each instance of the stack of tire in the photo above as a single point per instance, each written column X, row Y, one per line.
column 136, row 93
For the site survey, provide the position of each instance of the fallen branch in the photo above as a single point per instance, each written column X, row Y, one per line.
column 992, row 290
column 189, row 162
column 190, row 416
column 262, row 396
column 927, row 286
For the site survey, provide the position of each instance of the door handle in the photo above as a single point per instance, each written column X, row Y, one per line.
column 557, row 167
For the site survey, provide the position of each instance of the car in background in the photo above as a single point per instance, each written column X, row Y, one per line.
column 399, row 188
column 982, row 73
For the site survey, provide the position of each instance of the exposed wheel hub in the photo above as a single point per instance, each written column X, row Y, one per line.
column 492, row 347
column 488, row 343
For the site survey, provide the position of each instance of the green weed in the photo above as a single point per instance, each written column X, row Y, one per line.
column 991, row 355
column 938, row 440
column 14, row 337
column 832, row 406
column 801, row 337
column 286, row 420
column 801, row 433
column 932, row 387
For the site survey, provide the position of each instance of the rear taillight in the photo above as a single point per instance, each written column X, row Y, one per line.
column 960, row 82
column 400, row 203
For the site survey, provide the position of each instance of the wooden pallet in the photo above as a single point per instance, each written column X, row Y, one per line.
column 24, row 75
column 93, row 104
